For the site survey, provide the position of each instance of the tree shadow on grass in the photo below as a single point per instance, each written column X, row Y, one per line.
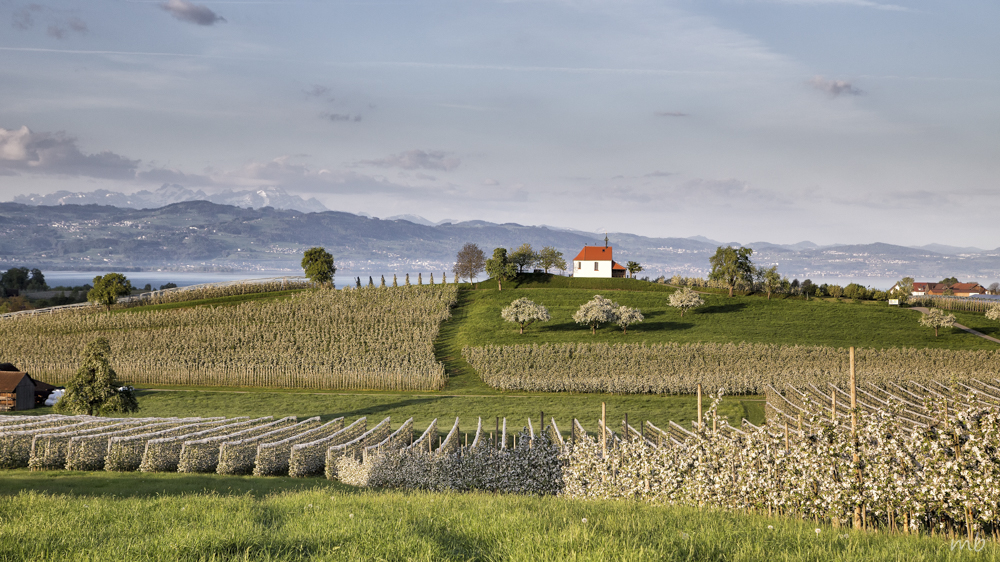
column 660, row 327
column 719, row 308
column 377, row 409
column 140, row 484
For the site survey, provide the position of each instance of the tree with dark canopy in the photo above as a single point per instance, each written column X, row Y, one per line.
column 95, row 389
column 318, row 266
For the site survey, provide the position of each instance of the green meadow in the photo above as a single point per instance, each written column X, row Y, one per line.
column 134, row 516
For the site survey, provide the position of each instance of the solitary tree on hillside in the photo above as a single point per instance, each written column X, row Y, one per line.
column 732, row 266
column 935, row 318
column 500, row 268
column 107, row 289
column 808, row 288
column 770, row 279
column 524, row 312
column 550, row 258
column 685, row 298
column 595, row 312
column 95, row 388
column 626, row 316
column 318, row 265
column 469, row 262
column 523, row 257
column 633, row 267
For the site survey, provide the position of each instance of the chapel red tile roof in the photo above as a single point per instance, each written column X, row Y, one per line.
column 616, row 265
column 594, row 253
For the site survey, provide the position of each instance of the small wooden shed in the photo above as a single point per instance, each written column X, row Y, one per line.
column 17, row 391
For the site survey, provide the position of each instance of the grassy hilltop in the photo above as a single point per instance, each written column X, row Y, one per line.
column 780, row 320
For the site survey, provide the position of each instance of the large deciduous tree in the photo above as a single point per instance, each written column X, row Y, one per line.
column 108, row 289
column 936, row 318
column 732, row 266
column 550, row 258
column 595, row 312
column 524, row 312
column 95, row 388
column 685, row 299
column 523, row 257
column 470, row 262
column 500, row 268
column 318, row 266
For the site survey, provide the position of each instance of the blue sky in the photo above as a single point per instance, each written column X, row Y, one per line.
column 782, row 120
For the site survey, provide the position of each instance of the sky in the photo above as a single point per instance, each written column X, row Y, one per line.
column 833, row 121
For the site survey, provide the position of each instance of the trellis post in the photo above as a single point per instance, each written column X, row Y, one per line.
column 699, row 405
column 854, row 436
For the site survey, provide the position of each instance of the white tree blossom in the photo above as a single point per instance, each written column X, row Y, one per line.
column 627, row 316
column 524, row 311
column 595, row 312
column 936, row 318
column 993, row 312
column 684, row 299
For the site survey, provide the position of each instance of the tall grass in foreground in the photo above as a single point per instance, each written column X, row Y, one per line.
column 336, row 523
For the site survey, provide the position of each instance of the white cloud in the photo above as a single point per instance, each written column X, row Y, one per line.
column 24, row 151
column 417, row 160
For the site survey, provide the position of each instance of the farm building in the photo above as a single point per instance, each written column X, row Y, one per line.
column 17, row 391
column 596, row 261
column 921, row 288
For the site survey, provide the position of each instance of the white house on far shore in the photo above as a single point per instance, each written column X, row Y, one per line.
column 596, row 261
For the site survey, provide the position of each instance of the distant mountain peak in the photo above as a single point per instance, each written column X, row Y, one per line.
column 170, row 193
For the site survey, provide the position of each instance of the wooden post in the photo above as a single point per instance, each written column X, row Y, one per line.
column 699, row 406
column 572, row 432
column 833, row 410
column 497, row 442
column 854, row 435
column 604, row 430
column 628, row 436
